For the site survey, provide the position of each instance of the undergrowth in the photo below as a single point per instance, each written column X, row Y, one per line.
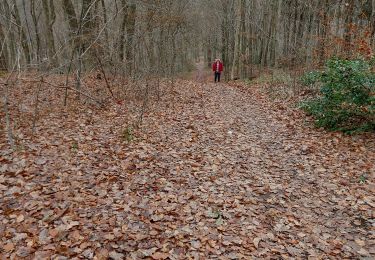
column 278, row 84
column 274, row 77
column 346, row 101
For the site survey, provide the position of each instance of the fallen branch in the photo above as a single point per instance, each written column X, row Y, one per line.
column 74, row 89
column 65, row 87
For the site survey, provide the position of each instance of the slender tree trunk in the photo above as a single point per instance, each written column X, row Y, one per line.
column 242, row 60
column 373, row 25
column 21, row 32
column 130, row 30
column 9, row 32
column 50, row 16
column 121, row 52
column 29, row 39
column 236, row 41
column 225, row 40
column 3, row 50
column 105, row 20
column 349, row 13
column 35, row 19
column 277, row 28
column 323, row 33
column 71, row 16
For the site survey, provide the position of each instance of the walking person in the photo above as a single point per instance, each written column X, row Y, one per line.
column 217, row 67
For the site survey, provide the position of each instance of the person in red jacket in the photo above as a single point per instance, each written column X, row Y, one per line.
column 217, row 67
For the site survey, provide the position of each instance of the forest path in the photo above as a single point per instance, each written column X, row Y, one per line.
column 217, row 172
column 202, row 72
column 227, row 154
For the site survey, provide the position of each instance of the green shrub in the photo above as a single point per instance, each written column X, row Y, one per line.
column 346, row 101
column 311, row 78
column 127, row 134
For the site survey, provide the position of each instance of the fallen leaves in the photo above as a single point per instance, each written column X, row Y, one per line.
column 54, row 232
column 160, row 256
column 20, row 218
column 102, row 254
column 216, row 172
column 116, row 256
column 196, row 244
column 256, row 241
column 8, row 247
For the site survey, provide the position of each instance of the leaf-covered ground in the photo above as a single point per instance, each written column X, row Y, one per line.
column 215, row 172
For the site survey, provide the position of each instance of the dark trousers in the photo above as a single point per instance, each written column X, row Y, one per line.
column 217, row 76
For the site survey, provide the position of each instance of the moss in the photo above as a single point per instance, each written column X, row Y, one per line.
column 3, row 73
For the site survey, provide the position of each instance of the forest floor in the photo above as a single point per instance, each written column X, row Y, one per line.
column 216, row 172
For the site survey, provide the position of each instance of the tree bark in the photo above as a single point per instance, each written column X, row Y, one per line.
column 236, row 41
column 3, row 50
column 50, row 16
column 71, row 16
column 21, row 33
column 130, row 30
column 323, row 33
column 349, row 13
column 373, row 24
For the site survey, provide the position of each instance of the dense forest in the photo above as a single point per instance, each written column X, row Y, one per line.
column 164, row 37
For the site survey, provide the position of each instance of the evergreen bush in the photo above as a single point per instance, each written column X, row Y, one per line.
column 346, row 101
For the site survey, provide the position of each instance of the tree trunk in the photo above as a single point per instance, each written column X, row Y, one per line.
column 35, row 19
column 236, row 41
column 29, row 38
column 71, row 16
column 225, row 40
column 3, row 50
column 130, row 30
column 121, row 51
column 105, row 20
column 349, row 13
column 242, row 60
column 373, row 24
column 50, row 16
column 9, row 34
column 323, row 33
column 21, row 33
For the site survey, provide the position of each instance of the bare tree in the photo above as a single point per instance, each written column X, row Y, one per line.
column 164, row 37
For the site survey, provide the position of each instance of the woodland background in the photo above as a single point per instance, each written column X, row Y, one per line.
column 134, row 38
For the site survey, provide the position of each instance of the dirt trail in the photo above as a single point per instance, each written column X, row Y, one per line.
column 215, row 174
column 202, row 73
column 292, row 188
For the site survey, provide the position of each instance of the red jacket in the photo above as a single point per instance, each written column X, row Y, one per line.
column 214, row 65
